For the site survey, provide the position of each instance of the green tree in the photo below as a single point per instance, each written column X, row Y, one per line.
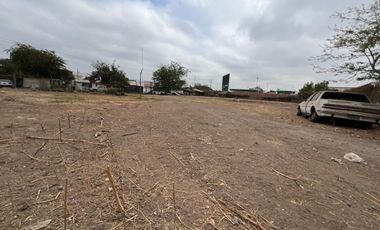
column 109, row 75
column 30, row 61
column 354, row 49
column 169, row 77
column 309, row 88
column 6, row 66
column 321, row 86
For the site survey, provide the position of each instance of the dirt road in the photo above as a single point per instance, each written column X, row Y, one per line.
column 234, row 165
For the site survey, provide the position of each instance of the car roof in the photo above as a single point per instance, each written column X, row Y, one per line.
column 330, row 91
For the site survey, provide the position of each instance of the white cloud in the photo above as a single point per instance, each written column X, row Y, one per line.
column 247, row 38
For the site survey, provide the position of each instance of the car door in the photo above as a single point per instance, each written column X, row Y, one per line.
column 311, row 102
column 303, row 105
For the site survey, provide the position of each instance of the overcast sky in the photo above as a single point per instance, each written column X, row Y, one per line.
column 268, row 39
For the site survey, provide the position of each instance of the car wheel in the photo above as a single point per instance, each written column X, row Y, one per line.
column 313, row 116
column 299, row 113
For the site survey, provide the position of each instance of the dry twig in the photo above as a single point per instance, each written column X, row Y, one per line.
column 48, row 201
column 68, row 120
column 66, row 140
column 60, row 129
column 175, row 211
column 116, row 195
column 65, row 204
column 40, row 148
column 34, row 158
column 129, row 134
column 176, row 158
column 295, row 179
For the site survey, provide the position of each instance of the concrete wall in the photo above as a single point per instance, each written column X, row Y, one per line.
column 36, row 83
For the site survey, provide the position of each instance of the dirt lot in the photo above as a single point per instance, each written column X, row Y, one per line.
column 234, row 165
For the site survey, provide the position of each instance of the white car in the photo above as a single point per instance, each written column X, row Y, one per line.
column 5, row 83
column 341, row 105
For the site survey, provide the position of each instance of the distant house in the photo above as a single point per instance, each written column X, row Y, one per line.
column 148, row 86
column 81, row 85
column 134, row 87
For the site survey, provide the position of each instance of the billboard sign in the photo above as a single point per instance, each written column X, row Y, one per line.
column 226, row 82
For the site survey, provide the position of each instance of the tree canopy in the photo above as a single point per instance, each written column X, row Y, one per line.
column 38, row 63
column 6, row 66
column 109, row 75
column 309, row 88
column 169, row 77
column 354, row 49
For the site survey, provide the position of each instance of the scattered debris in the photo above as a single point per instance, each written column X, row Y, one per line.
column 337, row 160
column 39, row 225
column 354, row 158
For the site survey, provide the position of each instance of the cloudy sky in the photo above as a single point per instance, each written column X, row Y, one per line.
column 265, row 40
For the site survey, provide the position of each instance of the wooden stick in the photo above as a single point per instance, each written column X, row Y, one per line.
column 66, row 140
column 129, row 134
column 120, row 207
column 65, row 204
column 175, row 210
column 68, row 120
column 40, row 148
column 60, row 129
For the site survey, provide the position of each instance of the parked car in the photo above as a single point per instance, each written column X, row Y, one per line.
column 342, row 105
column 98, row 88
column 5, row 83
column 159, row 92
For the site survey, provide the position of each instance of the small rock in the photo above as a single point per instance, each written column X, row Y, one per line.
column 235, row 220
column 22, row 206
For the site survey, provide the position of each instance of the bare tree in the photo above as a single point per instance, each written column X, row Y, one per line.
column 354, row 49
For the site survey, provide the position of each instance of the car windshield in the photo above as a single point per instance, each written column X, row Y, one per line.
column 345, row 96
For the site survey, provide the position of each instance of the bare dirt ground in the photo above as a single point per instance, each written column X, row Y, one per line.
column 234, row 165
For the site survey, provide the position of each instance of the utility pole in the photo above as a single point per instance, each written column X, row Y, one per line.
column 210, row 84
column 142, row 67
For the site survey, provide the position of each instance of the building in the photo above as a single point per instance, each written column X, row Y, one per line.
column 287, row 92
column 81, row 85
